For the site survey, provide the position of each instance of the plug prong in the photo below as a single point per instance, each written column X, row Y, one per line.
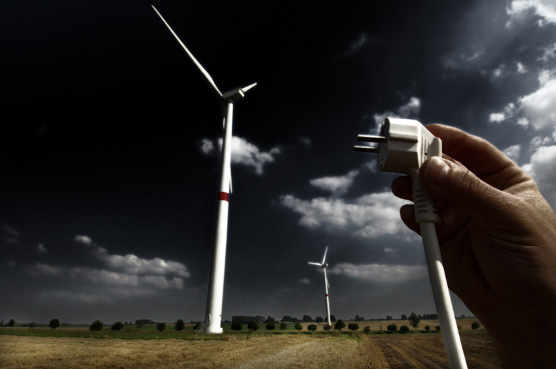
column 372, row 149
column 371, row 138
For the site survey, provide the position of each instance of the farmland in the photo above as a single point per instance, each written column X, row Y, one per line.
column 71, row 347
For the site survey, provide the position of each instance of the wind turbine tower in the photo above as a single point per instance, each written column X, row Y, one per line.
column 324, row 265
column 213, row 318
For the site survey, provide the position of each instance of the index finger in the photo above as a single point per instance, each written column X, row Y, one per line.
column 477, row 154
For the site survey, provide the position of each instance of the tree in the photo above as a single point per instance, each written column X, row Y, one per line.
column 270, row 325
column 358, row 318
column 437, row 328
column 307, row 318
column 392, row 328
column 236, row 326
column 117, row 326
column 475, row 325
column 312, row 327
column 404, row 317
column 404, row 329
column 353, row 326
column 414, row 320
column 333, row 318
column 54, row 323
column 427, row 328
column 180, row 325
column 388, row 317
column 339, row 325
column 298, row 326
column 283, row 326
column 197, row 326
column 269, row 319
column 319, row 319
column 11, row 323
column 326, row 327
column 253, row 325
column 367, row 329
column 160, row 326
column 96, row 326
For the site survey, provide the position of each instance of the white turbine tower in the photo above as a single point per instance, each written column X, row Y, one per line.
column 213, row 317
column 323, row 264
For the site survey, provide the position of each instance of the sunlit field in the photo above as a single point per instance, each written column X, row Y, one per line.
column 145, row 347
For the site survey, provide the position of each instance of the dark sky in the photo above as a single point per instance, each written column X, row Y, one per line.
column 109, row 184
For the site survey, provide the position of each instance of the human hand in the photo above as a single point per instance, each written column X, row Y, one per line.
column 498, row 242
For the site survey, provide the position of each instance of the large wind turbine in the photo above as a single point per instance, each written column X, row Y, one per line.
column 213, row 318
column 323, row 264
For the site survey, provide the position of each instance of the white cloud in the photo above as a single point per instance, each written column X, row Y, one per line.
column 548, row 53
column 304, row 281
column 368, row 216
column 45, row 269
column 356, row 45
column 133, row 264
column 84, row 239
column 519, row 9
column 380, row 273
column 496, row 117
column 41, row 249
column 244, row 153
column 336, row 185
column 513, row 152
column 520, row 68
column 541, row 168
column 206, row 146
column 539, row 141
column 540, row 106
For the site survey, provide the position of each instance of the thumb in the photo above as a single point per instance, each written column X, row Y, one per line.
column 453, row 185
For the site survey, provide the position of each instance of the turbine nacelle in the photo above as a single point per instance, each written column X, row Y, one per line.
column 237, row 93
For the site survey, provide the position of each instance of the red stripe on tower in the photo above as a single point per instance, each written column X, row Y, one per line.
column 224, row 196
column 325, row 295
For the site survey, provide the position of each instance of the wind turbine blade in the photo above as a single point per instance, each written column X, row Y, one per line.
column 247, row 88
column 205, row 73
column 313, row 263
column 324, row 256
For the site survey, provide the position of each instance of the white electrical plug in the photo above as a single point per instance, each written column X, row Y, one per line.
column 403, row 146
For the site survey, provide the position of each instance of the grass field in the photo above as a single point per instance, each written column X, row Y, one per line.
column 33, row 348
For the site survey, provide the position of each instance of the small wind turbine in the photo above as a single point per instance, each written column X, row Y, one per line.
column 323, row 264
column 213, row 317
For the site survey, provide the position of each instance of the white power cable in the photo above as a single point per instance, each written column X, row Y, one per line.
column 403, row 147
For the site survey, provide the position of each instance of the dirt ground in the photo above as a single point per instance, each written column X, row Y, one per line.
column 272, row 352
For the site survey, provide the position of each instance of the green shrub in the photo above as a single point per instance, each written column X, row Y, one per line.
column 237, row 326
column 283, row 326
column 11, row 323
column 117, row 326
column 270, row 325
column 180, row 325
column 427, row 328
column 475, row 325
column 414, row 320
column 339, row 325
column 54, row 323
column 437, row 328
column 404, row 329
column 160, row 326
column 312, row 327
column 367, row 329
column 197, row 326
column 253, row 325
column 392, row 328
column 353, row 326
column 96, row 326
column 298, row 326
column 326, row 327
